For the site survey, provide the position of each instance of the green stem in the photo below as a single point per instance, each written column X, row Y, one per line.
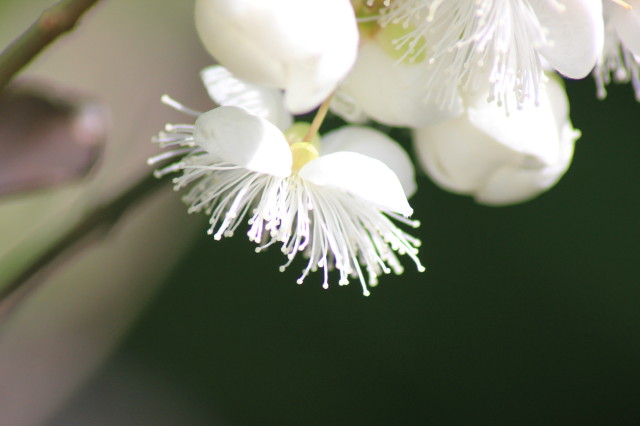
column 53, row 22
column 318, row 119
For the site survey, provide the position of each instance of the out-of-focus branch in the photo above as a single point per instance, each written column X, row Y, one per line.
column 95, row 224
column 53, row 22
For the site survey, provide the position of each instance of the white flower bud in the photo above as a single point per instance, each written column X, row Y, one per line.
column 302, row 46
column 501, row 159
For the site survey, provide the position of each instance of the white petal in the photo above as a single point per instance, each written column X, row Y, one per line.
column 374, row 144
column 305, row 87
column 557, row 98
column 627, row 23
column 459, row 157
column 343, row 105
column 226, row 90
column 277, row 43
column 393, row 92
column 244, row 140
column 533, row 130
column 360, row 175
column 576, row 34
column 515, row 183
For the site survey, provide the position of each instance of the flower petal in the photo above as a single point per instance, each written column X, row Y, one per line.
column 515, row 183
column 282, row 43
column 305, row 87
column 533, row 130
column 226, row 90
column 244, row 140
column 374, row 144
column 363, row 176
column 459, row 157
column 576, row 34
column 343, row 105
column 390, row 92
column 557, row 98
column 627, row 24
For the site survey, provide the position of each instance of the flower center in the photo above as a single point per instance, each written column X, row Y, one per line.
column 302, row 153
column 302, row 150
column 396, row 39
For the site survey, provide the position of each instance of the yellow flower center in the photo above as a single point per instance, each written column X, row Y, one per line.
column 302, row 151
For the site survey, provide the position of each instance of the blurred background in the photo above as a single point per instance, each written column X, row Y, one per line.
column 526, row 314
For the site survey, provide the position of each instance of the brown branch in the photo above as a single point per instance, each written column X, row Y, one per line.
column 55, row 21
column 95, row 224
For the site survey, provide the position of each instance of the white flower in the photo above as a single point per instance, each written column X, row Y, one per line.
column 621, row 52
column 501, row 159
column 335, row 207
column 227, row 90
column 501, row 41
column 302, row 46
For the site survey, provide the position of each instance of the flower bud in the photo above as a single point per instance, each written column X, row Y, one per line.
column 498, row 158
column 302, row 46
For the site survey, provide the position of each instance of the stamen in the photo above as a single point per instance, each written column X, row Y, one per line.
column 470, row 42
column 175, row 128
column 623, row 4
column 167, row 155
column 617, row 64
column 167, row 100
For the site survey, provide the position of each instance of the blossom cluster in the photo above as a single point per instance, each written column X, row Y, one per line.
column 478, row 82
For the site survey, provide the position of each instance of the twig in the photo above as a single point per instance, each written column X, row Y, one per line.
column 53, row 22
column 95, row 224
column 318, row 119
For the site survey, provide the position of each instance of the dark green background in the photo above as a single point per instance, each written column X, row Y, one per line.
column 526, row 315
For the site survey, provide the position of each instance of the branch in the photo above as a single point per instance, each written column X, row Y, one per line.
column 55, row 21
column 96, row 224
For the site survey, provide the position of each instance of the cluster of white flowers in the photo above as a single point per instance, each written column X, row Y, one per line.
column 476, row 80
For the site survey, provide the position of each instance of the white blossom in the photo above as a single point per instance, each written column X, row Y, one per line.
column 335, row 206
column 505, row 42
column 302, row 46
column 501, row 159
